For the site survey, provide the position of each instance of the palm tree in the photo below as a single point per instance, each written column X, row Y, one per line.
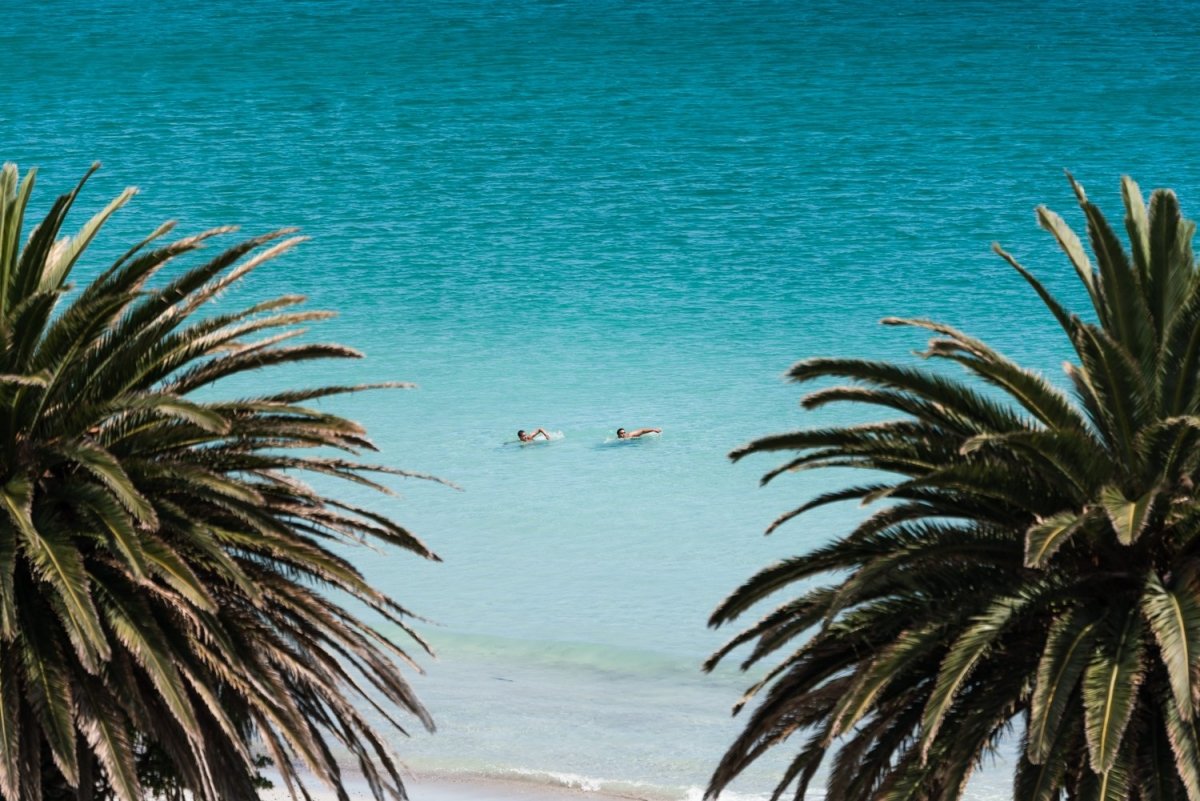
column 1035, row 572
column 168, row 580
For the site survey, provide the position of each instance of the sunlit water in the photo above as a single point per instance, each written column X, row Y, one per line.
column 585, row 216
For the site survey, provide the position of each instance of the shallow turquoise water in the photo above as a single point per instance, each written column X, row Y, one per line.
column 581, row 216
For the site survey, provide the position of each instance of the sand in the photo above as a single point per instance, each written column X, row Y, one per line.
column 446, row 789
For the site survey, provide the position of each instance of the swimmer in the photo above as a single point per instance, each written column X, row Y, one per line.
column 639, row 432
column 525, row 436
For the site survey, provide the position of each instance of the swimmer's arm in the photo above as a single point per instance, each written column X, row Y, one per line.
column 541, row 431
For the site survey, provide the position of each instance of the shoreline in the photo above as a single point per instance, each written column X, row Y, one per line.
column 537, row 786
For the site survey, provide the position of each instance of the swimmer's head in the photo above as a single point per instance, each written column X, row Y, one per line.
column 521, row 435
column 620, row 433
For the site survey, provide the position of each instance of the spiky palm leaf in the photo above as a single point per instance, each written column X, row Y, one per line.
column 1036, row 565
column 166, row 575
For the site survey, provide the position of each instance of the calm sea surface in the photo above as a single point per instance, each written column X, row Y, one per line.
column 590, row 215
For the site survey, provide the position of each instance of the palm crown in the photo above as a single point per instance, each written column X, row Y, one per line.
column 1036, row 567
column 163, row 567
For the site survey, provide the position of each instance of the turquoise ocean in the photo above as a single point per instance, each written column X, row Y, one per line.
column 599, row 214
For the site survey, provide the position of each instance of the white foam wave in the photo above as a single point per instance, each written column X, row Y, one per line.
column 612, row 788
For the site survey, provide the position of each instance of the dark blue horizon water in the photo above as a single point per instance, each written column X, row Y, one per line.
column 591, row 215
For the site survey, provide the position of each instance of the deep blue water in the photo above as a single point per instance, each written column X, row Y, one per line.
column 591, row 215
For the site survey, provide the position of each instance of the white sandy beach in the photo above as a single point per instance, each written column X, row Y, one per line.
column 448, row 789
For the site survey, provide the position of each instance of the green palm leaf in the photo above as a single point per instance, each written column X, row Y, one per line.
column 136, row 631
column 1068, row 240
column 1066, row 654
column 1128, row 517
column 57, row 268
column 1156, row 778
column 10, row 727
column 8, row 567
column 1112, row 785
column 112, row 521
column 105, row 467
column 971, row 647
column 1185, row 746
column 50, row 695
column 175, row 572
column 1043, row 780
column 60, row 567
column 102, row 726
column 1046, row 536
column 1137, row 225
column 1110, row 689
column 874, row 678
column 12, row 214
column 1174, row 617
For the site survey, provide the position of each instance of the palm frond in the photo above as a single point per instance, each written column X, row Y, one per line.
column 1174, row 617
